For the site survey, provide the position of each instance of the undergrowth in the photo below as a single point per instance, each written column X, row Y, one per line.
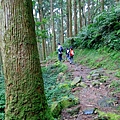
column 108, row 116
column 102, row 57
column 53, row 90
column 115, row 85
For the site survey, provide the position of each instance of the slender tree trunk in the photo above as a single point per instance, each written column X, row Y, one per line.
column 53, row 29
column 75, row 17
column 37, row 37
column 25, row 97
column 59, row 25
column 80, row 16
column 102, row 5
column 50, row 40
column 62, row 30
column 47, row 49
column 93, row 9
column 83, row 13
column 67, row 18
column 70, row 18
column 40, row 9
column 88, row 11
column 59, row 30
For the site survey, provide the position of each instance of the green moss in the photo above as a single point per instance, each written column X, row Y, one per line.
column 109, row 116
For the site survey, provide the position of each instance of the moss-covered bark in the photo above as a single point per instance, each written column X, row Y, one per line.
column 25, row 98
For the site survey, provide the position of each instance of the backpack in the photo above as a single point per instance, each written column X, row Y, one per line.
column 67, row 52
column 71, row 53
column 61, row 49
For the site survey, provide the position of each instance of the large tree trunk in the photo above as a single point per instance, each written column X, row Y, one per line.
column 25, row 98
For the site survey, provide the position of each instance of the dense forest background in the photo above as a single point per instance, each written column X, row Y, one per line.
column 83, row 24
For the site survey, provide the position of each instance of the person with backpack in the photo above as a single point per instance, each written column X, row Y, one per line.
column 71, row 55
column 60, row 51
column 67, row 53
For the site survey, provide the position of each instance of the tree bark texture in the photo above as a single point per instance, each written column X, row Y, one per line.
column 25, row 98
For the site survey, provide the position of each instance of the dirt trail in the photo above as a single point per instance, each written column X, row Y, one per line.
column 91, row 97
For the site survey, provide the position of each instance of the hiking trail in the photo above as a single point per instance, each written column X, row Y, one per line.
column 95, row 95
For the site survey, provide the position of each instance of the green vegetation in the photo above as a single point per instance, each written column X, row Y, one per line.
column 108, row 116
column 103, row 57
column 115, row 85
column 57, row 87
column 103, row 32
column 52, row 76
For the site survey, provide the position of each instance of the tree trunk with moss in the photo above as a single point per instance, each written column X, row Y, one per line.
column 25, row 97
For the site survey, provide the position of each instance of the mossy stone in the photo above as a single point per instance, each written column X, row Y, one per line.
column 68, row 102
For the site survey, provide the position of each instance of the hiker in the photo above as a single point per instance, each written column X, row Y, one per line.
column 60, row 50
column 71, row 55
column 67, row 53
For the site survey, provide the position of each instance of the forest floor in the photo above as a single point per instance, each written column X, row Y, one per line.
column 93, row 96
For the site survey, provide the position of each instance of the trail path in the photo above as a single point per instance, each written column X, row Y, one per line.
column 93, row 96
